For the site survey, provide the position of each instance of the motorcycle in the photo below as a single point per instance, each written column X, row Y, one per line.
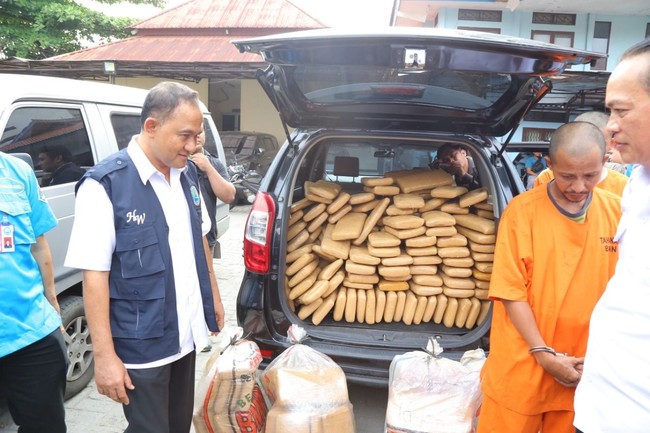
column 247, row 183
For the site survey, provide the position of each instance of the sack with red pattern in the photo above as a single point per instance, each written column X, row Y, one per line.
column 228, row 399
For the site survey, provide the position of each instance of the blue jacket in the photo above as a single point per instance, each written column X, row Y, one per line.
column 143, row 316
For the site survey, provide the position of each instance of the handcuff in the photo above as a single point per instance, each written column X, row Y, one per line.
column 548, row 349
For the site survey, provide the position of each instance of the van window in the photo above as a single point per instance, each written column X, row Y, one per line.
column 34, row 130
column 125, row 126
column 210, row 140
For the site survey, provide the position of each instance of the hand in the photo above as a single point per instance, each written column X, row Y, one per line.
column 112, row 378
column 566, row 370
column 201, row 161
column 220, row 314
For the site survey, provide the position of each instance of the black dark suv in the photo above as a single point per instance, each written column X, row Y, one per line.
column 353, row 235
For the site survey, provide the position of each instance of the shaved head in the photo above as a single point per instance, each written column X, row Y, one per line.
column 598, row 118
column 576, row 139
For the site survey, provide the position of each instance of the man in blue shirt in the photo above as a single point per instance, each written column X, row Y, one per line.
column 32, row 350
column 534, row 166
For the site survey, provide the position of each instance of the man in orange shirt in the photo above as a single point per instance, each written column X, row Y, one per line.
column 610, row 180
column 554, row 255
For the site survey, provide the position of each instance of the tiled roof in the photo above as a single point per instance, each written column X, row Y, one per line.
column 194, row 48
column 230, row 14
column 201, row 31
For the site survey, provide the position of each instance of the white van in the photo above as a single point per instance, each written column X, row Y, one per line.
column 92, row 120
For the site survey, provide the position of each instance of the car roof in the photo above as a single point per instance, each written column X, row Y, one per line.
column 16, row 87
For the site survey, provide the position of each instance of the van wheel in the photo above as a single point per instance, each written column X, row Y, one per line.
column 79, row 345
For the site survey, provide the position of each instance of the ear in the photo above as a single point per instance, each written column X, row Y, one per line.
column 605, row 158
column 150, row 125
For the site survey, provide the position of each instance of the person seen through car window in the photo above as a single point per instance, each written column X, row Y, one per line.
column 56, row 162
column 453, row 158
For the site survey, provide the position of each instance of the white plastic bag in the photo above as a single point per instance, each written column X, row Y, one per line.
column 307, row 391
column 431, row 394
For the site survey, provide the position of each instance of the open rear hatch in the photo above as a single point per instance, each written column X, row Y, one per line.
column 403, row 80
column 407, row 79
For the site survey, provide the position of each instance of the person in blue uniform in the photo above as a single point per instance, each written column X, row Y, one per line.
column 150, row 294
column 33, row 359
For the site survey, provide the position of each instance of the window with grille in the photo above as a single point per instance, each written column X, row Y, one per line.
column 554, row 19
column 479, row 15
column 537, row 134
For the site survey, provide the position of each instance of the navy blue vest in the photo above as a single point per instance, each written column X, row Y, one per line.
column 143, row 315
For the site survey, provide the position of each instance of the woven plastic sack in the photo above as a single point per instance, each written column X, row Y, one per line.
column 228, row 399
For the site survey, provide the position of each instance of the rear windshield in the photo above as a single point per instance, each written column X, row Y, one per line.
column 373, row 159
column 348, row 84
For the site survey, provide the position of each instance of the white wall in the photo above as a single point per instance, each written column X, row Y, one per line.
column 258, row 113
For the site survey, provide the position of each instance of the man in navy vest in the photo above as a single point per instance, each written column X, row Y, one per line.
column 149, row 287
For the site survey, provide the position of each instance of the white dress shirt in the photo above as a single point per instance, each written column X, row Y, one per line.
column 92, row 243
column 614, row 392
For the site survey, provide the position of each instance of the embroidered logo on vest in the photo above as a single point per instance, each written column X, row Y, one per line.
column 196, row 198
column 133, row 216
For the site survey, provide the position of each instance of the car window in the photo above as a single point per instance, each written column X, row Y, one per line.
column 33, row 130
column 125, row 126
column 348, row 84
column 375, row 159
column 267, row 144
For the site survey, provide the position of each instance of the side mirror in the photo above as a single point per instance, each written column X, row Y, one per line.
column 259, row 151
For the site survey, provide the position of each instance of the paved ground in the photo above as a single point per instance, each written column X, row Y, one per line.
column 89, row 412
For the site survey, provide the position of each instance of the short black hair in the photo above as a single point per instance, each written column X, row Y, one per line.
column 58, row 150
column 450, row 147
column 164, row 97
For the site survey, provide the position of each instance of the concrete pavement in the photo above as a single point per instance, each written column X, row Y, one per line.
column 90, row 412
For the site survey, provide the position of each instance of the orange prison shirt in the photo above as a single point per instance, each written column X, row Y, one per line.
column 614, row 182
column 560, row 267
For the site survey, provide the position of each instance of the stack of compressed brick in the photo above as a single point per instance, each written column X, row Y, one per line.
column 411, row 248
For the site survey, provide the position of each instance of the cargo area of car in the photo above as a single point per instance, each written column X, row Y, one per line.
column 355, row 289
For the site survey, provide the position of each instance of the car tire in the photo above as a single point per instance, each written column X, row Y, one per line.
column 78, row 343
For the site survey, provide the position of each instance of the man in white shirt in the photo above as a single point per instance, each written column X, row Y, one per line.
column 614, row 392
column 149, row 287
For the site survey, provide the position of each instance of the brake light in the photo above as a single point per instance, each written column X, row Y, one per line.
column 257, row 235
column 266, row 353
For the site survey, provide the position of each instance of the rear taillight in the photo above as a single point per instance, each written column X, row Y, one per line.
column 257, row 236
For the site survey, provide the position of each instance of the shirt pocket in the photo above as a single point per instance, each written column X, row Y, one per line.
column 138, row 307
column 137, row 296
column 16, row 208
column 138, row 251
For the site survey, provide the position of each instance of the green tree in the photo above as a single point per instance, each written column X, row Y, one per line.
column 37, row 29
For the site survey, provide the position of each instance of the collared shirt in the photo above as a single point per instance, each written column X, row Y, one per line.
column 616, row 378
column 93, row 240
column 26, row 315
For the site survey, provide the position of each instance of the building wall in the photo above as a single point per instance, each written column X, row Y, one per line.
column 625, row 31
column 258, row 113
column 149, row 82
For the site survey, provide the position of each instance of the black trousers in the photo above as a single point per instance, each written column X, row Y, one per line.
column 33, row 381
column 163, row 398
